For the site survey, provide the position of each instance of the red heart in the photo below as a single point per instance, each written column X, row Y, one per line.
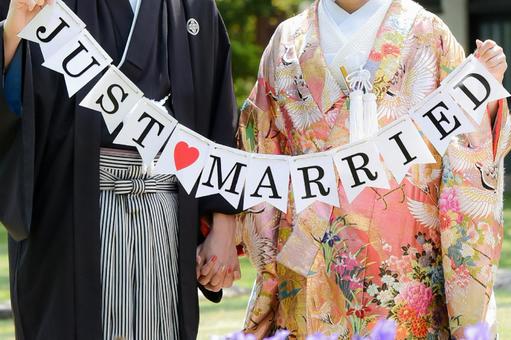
column 185, row 155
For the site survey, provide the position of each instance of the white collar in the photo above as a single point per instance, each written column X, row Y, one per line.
column 133, row 4
column 349, row 23
column 337, row 27
column 349, row 43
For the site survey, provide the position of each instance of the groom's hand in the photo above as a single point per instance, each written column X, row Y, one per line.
column 217, row 258
column 19, row 15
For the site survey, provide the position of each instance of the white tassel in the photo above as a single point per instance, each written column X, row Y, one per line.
column 370, row 115
column 356, row 115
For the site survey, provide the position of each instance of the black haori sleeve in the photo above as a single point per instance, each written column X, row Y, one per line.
column 4, row 8
column 224, row 119
column 16, row 155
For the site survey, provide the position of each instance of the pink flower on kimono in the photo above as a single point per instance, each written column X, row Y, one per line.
column 355, row 283
column 418, row 297
column 375, row 56
column 345, row 264
column 448, row 201
column 390, row 49
column 462, row 276
column 400, row 264
column 349, row 262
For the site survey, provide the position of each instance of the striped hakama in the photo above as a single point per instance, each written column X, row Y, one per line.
column 139, row 250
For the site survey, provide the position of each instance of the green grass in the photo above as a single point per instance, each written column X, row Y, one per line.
column 505, row 258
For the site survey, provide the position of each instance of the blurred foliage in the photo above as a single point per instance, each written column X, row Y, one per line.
column 250, row 24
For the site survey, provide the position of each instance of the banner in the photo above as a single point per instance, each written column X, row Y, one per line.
column 402, row 146
column 224, row 174
column 360, row 167
column 267, row 181
column 252, row 179
column 184, row 155
column 313, row 178
column 52, row 28
column 473, row 87
column 80, row 60
column 441, row 119
column 114, row 95
column 147, row 128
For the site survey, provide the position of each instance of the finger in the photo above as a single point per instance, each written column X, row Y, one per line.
column 214, row 289
column 492, row 53
column 208, row 267
column 497, row 60
column 229, row 279
column 206, row 280
column 486, row 47
column 214, row 269
column 219, row 277
column 198, row 265
column 483, row 47
column 31, row 4
column 40, row 2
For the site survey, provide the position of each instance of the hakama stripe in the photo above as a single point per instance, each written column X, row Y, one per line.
column 139, row 250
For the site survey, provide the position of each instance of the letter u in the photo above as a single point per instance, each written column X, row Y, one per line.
column 75, row 53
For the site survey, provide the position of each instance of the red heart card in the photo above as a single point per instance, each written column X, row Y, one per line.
column 185, row 155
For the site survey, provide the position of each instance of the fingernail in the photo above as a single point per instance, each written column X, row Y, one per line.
column 229, row 270
column 214, row 258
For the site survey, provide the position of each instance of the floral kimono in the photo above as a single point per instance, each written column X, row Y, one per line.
column 423, row 253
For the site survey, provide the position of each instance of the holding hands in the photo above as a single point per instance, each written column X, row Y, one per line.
column 217, row 258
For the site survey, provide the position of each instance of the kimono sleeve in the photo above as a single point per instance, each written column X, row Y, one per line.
column 258, row 228
column 470, row 209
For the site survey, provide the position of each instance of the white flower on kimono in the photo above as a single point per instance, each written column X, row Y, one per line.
column 385, row 296
column 388, row 280
column 372, row 290
column 467, row 250
column 486, row 273
column 428, row 248
column 387, row 247
column 396, row 286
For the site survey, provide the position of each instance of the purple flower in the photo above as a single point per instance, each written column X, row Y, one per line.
column 358, row 337
column 319, row 336
column 384, row 330
column 280, row 335
column 241, row 336
column 481, row 331
column 330, row 238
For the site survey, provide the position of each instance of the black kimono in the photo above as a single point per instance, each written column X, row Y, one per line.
column 49, row 171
